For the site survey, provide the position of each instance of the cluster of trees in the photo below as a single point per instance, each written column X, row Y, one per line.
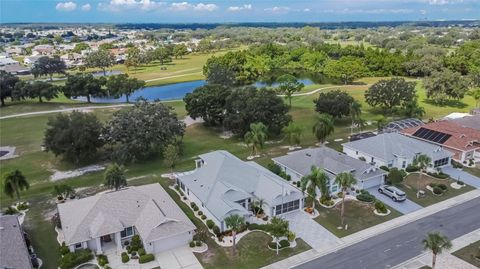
column 77, row 85
column 134, row 133
column 237, row 108
column 163, row 54
column 47, row 66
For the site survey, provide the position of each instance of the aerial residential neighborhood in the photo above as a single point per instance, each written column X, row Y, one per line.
column 229, row 134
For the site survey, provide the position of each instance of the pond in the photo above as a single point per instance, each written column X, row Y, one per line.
column 177, row 91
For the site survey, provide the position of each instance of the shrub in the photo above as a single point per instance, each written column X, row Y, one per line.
column 410, row 168
column 384, row 168
column 136, row 243
column 192, row 204
column 11, row 211
column 192, row 244
column 64, row 249
column 276, row 169
column 125, row 257
column 284, row 243
column 141, row 252
column 380, row 207
column 361, row 158
column 438, row 175
column 442, row 186
column 200, row 213
column 432, row 185
column 291, row 236
column 216, row 230
column 22, row 206
column 181, row 193
column 456, row 164
column 210, row 223
column 72, row 259
column 198, row 243
column 184, row 198
column 102, row 260
column 395, row 176
column 195, row 208
column 461, row 183
column 146, row 258
column 298, row 184
column 203, row 217
column 366, row 197
column 437, row 190
column 177, row 187
column 129, row 249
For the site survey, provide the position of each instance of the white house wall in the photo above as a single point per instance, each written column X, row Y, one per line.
column 192, row 198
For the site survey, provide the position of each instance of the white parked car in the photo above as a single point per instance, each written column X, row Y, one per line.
column 392, row 192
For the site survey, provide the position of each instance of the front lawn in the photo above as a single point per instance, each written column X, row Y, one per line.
column 412, row 182
column 358, row 216
column 473, row 170
column 252, row 252
column 470, row 254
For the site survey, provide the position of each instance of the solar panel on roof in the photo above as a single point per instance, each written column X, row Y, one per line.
column 431, row 135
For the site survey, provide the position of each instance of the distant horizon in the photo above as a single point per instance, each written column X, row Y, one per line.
column 235, row 11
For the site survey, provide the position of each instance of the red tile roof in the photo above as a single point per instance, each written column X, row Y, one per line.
column 462, row 138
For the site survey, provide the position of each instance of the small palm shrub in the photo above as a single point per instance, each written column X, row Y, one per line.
column 210, row 224
column 380, row 207
column 125, row 257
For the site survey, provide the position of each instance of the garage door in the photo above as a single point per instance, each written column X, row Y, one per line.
column 171, row 242
column 372, row 182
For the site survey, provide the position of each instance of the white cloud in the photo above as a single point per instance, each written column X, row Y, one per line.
column 119, row 5
column 183, row 6
column 306, row 10
column 367, row 11
column 444, row 2
column 423, row 12
column 240, row 8
column 66, row 6
column 278, row 10
column 86, row 7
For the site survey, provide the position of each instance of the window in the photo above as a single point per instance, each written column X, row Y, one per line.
column 372, row 160
column 287, row 207
column 356, row 152
column 242, row 203
column 334, row 188
column 404, row 164
column 78, row 245
column 440, row 162
column 126, row 232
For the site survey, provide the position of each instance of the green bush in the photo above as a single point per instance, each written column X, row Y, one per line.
column 203, row 217
column 442, row 186
column 146, row 258
column 284, row 243
column 195, row 208
column 210, row 223
column 64, row 249
column 276, row 169
column 380, row 207
column 11, row 211
column 22, row 206
column 198, row 243
column 177, row 187
column 456, row 164
column 200, row 213
column 384, row 168
column 72, row 259
column 395, row 176
column 299, row 184
column 102, row 260
column 411, row 168
column 366, row 197
column 141, row 252
column 192, row 204
column 432, row 185
column 136, row 243
column 192, row 244
column 437, row 190
column 461, row 183
column 129, row 249
column 125, row 257
column 216, row 230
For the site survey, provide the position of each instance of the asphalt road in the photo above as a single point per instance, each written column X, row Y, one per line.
column 403, row 243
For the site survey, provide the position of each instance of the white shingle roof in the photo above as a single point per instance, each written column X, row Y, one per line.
column 149, row 208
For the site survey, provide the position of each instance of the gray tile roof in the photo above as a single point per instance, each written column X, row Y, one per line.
column 388, row 146
column 224, row 179
column 149, row 208
column 13, row 250
column 469, row 121
column 330, row 160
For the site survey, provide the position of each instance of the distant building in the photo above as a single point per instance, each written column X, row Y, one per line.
column 14, row 252
column 31, row 59
column 395, row 150
column 4, row 61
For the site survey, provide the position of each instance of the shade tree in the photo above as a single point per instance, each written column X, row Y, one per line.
column 85, row 85
column 7, row 85
column 336, row 103
column 390, row 93
column 101, row 58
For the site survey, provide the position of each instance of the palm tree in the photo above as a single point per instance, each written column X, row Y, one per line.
column 436, row 242
column 15, row 182
column 115, row 177
column 235, row 223
column 381, row 122
column 317, row 179
column 355, row 111
column 345, row 180
column 293, row 132
column 421, row 161
column 258, row 206
column 256, row 136
column 476, row 95
column 278, row 228
column 323, row 127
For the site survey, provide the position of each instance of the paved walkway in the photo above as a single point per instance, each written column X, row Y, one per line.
column 458, row 174
column 444, row 260
column 404, row 207
column 375, row 230
column 310, row 231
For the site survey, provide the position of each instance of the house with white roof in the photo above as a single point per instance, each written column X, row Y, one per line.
column 222, row 185
column 298, row 164
column 104, row 221
column 395, row 150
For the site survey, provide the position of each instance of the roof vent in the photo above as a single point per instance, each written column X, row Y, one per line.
column 463, row 136
column 308, row 154
column 201, row 186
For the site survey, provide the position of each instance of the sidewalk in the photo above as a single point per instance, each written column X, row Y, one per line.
column 375, row 230
column 444, row 260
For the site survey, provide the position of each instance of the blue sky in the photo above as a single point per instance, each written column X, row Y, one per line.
column 162, row 11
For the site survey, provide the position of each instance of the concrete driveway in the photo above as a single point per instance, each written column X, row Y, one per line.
column 179, row 258
column 458, row 174
column 404, row 207
column 310, row 231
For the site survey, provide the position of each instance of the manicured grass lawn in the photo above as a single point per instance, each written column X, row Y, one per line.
column 472, row 170
column 252, row 252
column 470, row 254
column 358, row 216
column 412, row 182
